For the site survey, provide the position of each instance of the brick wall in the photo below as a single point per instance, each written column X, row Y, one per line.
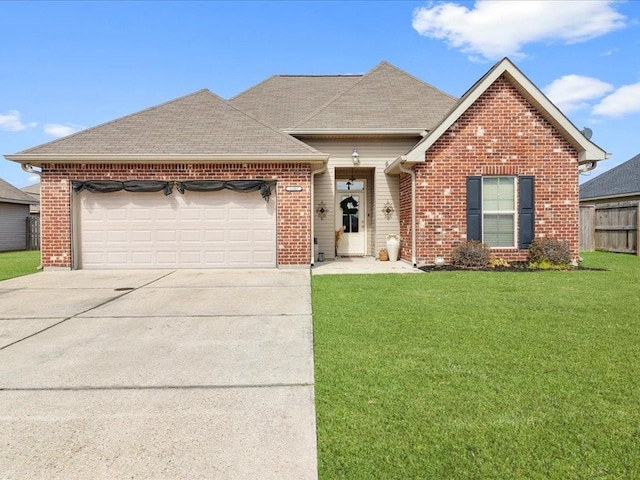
column 293, row 208
column 501, row 134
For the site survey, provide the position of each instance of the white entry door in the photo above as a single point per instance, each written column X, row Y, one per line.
column 351, row 215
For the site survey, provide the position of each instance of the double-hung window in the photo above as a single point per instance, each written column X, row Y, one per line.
column 500, row 210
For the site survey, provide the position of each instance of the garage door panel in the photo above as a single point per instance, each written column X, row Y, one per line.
column 190, row 236
column 195, row 230
column 142, row 258
column 165, row 236
column 164, row 214
column 263, row 235
column 141, row 236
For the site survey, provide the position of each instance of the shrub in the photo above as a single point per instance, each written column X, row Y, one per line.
column 471, row 253
column 496, row 262
column 549, row 251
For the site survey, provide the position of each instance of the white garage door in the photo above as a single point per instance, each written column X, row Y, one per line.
column 222, row 229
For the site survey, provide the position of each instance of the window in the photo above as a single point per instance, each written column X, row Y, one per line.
column 500, row 211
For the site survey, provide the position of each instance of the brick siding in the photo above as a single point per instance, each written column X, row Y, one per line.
column 293, row 208
column 500, row 134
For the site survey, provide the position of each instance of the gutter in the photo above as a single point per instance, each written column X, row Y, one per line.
column 313, row 174
column 39, row 159
column 411, row 172
column 588, row 166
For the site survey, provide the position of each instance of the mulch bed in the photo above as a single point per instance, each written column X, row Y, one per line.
column 514, row 267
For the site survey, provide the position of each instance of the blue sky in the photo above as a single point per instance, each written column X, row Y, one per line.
column 70, row 65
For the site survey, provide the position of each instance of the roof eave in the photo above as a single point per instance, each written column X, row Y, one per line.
column 40, row 159
column 394, row 167
column 18, row 201
column 414, row 131
column 609, row 197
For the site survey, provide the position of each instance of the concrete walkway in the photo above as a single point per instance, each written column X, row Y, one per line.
column 157, row 374
column 363, row 265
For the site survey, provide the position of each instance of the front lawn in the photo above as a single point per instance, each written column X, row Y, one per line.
column 480, row 375
column 16, row 264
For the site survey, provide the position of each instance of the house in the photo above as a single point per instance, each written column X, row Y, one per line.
column 14, row 211
column 202, row 182
column 620, row 184
column 34, row 191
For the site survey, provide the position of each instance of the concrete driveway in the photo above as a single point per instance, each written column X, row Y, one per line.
column 157, row 374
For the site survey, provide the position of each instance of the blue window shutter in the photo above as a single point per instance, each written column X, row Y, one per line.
column 474, row 208
column 526, row 212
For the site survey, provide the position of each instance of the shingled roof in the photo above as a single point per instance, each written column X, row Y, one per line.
column 11, row 194
column 623, row 180
column 199, row 123
column 285, row 100
column 386, row 98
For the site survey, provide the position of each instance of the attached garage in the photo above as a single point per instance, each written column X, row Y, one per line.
column 191, row 183
column 222, row 229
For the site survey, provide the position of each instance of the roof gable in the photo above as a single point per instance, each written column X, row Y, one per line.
column 588, row 151
column 621, row 180
column 285, row 100
column 386, row 98
column 197, row 124
column 11, row 194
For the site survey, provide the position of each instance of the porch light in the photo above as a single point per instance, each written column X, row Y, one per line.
column 355, row 156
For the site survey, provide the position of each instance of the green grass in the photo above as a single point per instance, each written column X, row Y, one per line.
column 16, row 264
column 480, row 375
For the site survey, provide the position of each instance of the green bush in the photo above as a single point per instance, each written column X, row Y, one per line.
column 471, row 253
column 549, row 251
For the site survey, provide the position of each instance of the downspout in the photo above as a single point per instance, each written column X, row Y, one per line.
column 412, row 172
column 313, row 174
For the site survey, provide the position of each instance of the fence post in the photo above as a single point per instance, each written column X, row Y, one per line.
column 638, row 229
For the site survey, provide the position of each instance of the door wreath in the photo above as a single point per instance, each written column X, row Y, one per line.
column 349, row 205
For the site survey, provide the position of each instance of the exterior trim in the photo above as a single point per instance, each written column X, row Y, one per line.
column 39, row 159
column 587, row 150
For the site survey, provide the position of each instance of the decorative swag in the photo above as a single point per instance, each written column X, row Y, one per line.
column 110, row 186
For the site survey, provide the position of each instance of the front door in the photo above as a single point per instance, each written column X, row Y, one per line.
column 351, row 216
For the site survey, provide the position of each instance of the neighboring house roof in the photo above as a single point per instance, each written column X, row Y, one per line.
column 33, row 190
column 620, row 181
column 285, row 100
column 385, row 99
column 587, row 150
column 201, row 125
column 11, row 194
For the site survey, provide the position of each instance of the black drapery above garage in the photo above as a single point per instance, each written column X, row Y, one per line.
column 235, row 185
column 110, row 186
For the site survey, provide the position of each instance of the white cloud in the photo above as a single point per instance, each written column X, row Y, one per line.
column 12, row 122
column 624, row 101
column 494, row 29
column 61, row 130
column 572, row 92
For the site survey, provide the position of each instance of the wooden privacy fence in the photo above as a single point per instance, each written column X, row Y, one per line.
column 33, row 232
column 612, row 227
